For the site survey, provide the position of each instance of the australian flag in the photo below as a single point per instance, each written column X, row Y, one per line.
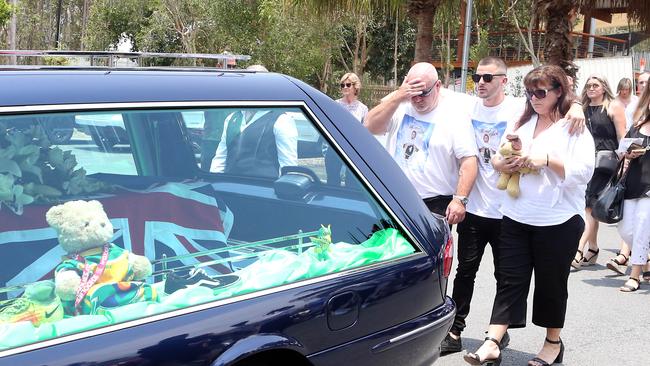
column 168, row 220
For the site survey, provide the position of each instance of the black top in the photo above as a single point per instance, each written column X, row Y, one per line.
column 602, row 128
column 637, row 183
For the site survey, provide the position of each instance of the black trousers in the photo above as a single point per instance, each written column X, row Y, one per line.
column 474, row 233
column 545, row 250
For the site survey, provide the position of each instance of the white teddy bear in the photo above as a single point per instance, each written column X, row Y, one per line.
column 95, row 275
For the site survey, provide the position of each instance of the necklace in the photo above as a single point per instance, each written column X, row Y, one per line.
column 539, row 129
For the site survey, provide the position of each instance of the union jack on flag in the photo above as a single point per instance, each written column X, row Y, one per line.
column 171, row 219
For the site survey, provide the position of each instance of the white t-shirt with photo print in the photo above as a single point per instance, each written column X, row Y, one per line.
column 489, row 125
column 428, row 147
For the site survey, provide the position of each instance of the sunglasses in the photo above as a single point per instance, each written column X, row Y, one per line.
column 592, row 86
column 538, row 93
column 346, row 85
column 486, row 77
column 426, row 93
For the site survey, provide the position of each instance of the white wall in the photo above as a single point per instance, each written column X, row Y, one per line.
column 612, row 68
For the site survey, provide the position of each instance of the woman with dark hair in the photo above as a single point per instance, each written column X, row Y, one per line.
column 541, row 228
column 635, row 226
column 606, row 122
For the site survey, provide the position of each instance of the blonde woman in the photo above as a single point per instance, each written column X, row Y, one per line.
column 625, row 95
column 350, row 87
column 624, row 92
column 606, row 122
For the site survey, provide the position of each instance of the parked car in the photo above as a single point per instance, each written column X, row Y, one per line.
column 254, row 261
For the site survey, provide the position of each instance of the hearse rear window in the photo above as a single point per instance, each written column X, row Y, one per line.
column 114, row 215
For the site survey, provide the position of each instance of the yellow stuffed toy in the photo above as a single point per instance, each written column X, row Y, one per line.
column 510, row 181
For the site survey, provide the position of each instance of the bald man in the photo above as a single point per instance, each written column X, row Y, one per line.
column 442, row 158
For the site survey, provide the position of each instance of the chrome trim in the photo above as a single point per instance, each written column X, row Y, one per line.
column 88, row 107
column 383, row 346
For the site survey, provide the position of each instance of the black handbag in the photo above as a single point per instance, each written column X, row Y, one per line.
column 608, row 207
column 606, row 161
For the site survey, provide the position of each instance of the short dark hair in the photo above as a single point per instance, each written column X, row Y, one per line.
column 492, row 60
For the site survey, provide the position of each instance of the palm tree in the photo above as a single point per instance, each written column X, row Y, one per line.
column 422, row 11
column 558, row 15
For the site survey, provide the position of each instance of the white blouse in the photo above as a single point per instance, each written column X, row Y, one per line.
column 546, row 198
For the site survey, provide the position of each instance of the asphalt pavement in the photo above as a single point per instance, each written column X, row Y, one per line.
column 603, row 325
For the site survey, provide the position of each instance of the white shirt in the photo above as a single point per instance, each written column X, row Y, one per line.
column 629, row 111
column 286, row 141
column 428, row 146
column 489, row 125
column 546, row 199
column 356, row 108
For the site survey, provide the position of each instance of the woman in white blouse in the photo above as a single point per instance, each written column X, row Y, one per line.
column 541, row 228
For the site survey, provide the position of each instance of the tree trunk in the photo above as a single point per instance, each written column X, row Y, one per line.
column 84, row 23
column 424, row 36
column 12, row 31
column 557, row 43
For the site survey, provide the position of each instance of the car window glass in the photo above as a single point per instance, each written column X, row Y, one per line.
column 121, row 219
column 263, row 137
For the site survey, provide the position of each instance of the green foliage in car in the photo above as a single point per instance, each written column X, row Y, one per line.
column 32, row 171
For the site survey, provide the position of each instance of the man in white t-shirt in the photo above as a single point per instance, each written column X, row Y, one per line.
column 430, row 138
column 490, row 116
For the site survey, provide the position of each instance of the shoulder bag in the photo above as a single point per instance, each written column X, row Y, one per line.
column 608, row 207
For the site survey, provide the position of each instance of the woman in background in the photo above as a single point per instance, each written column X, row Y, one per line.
column 350, row 88
column 606, row 122
column 635, row 226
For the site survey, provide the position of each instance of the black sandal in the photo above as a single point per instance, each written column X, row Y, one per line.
column 646, row 274
column 615, row 265
column 628, row 288
column 558, row 359
column 474, row 359
column 592, row 260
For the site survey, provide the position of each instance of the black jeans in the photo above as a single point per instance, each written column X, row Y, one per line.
column 546, row 250
column 474, row 233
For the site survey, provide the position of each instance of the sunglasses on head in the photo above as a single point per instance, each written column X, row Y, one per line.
column 346, row 85
column 538, row 93
column 486, row 77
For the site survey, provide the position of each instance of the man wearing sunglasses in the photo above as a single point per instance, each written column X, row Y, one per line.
column 441, row 160
column 490, row 114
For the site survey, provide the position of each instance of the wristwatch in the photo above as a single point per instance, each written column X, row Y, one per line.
column 462, row 199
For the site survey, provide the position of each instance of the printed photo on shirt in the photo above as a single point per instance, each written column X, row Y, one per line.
column 488, row 136
column 412, row 149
